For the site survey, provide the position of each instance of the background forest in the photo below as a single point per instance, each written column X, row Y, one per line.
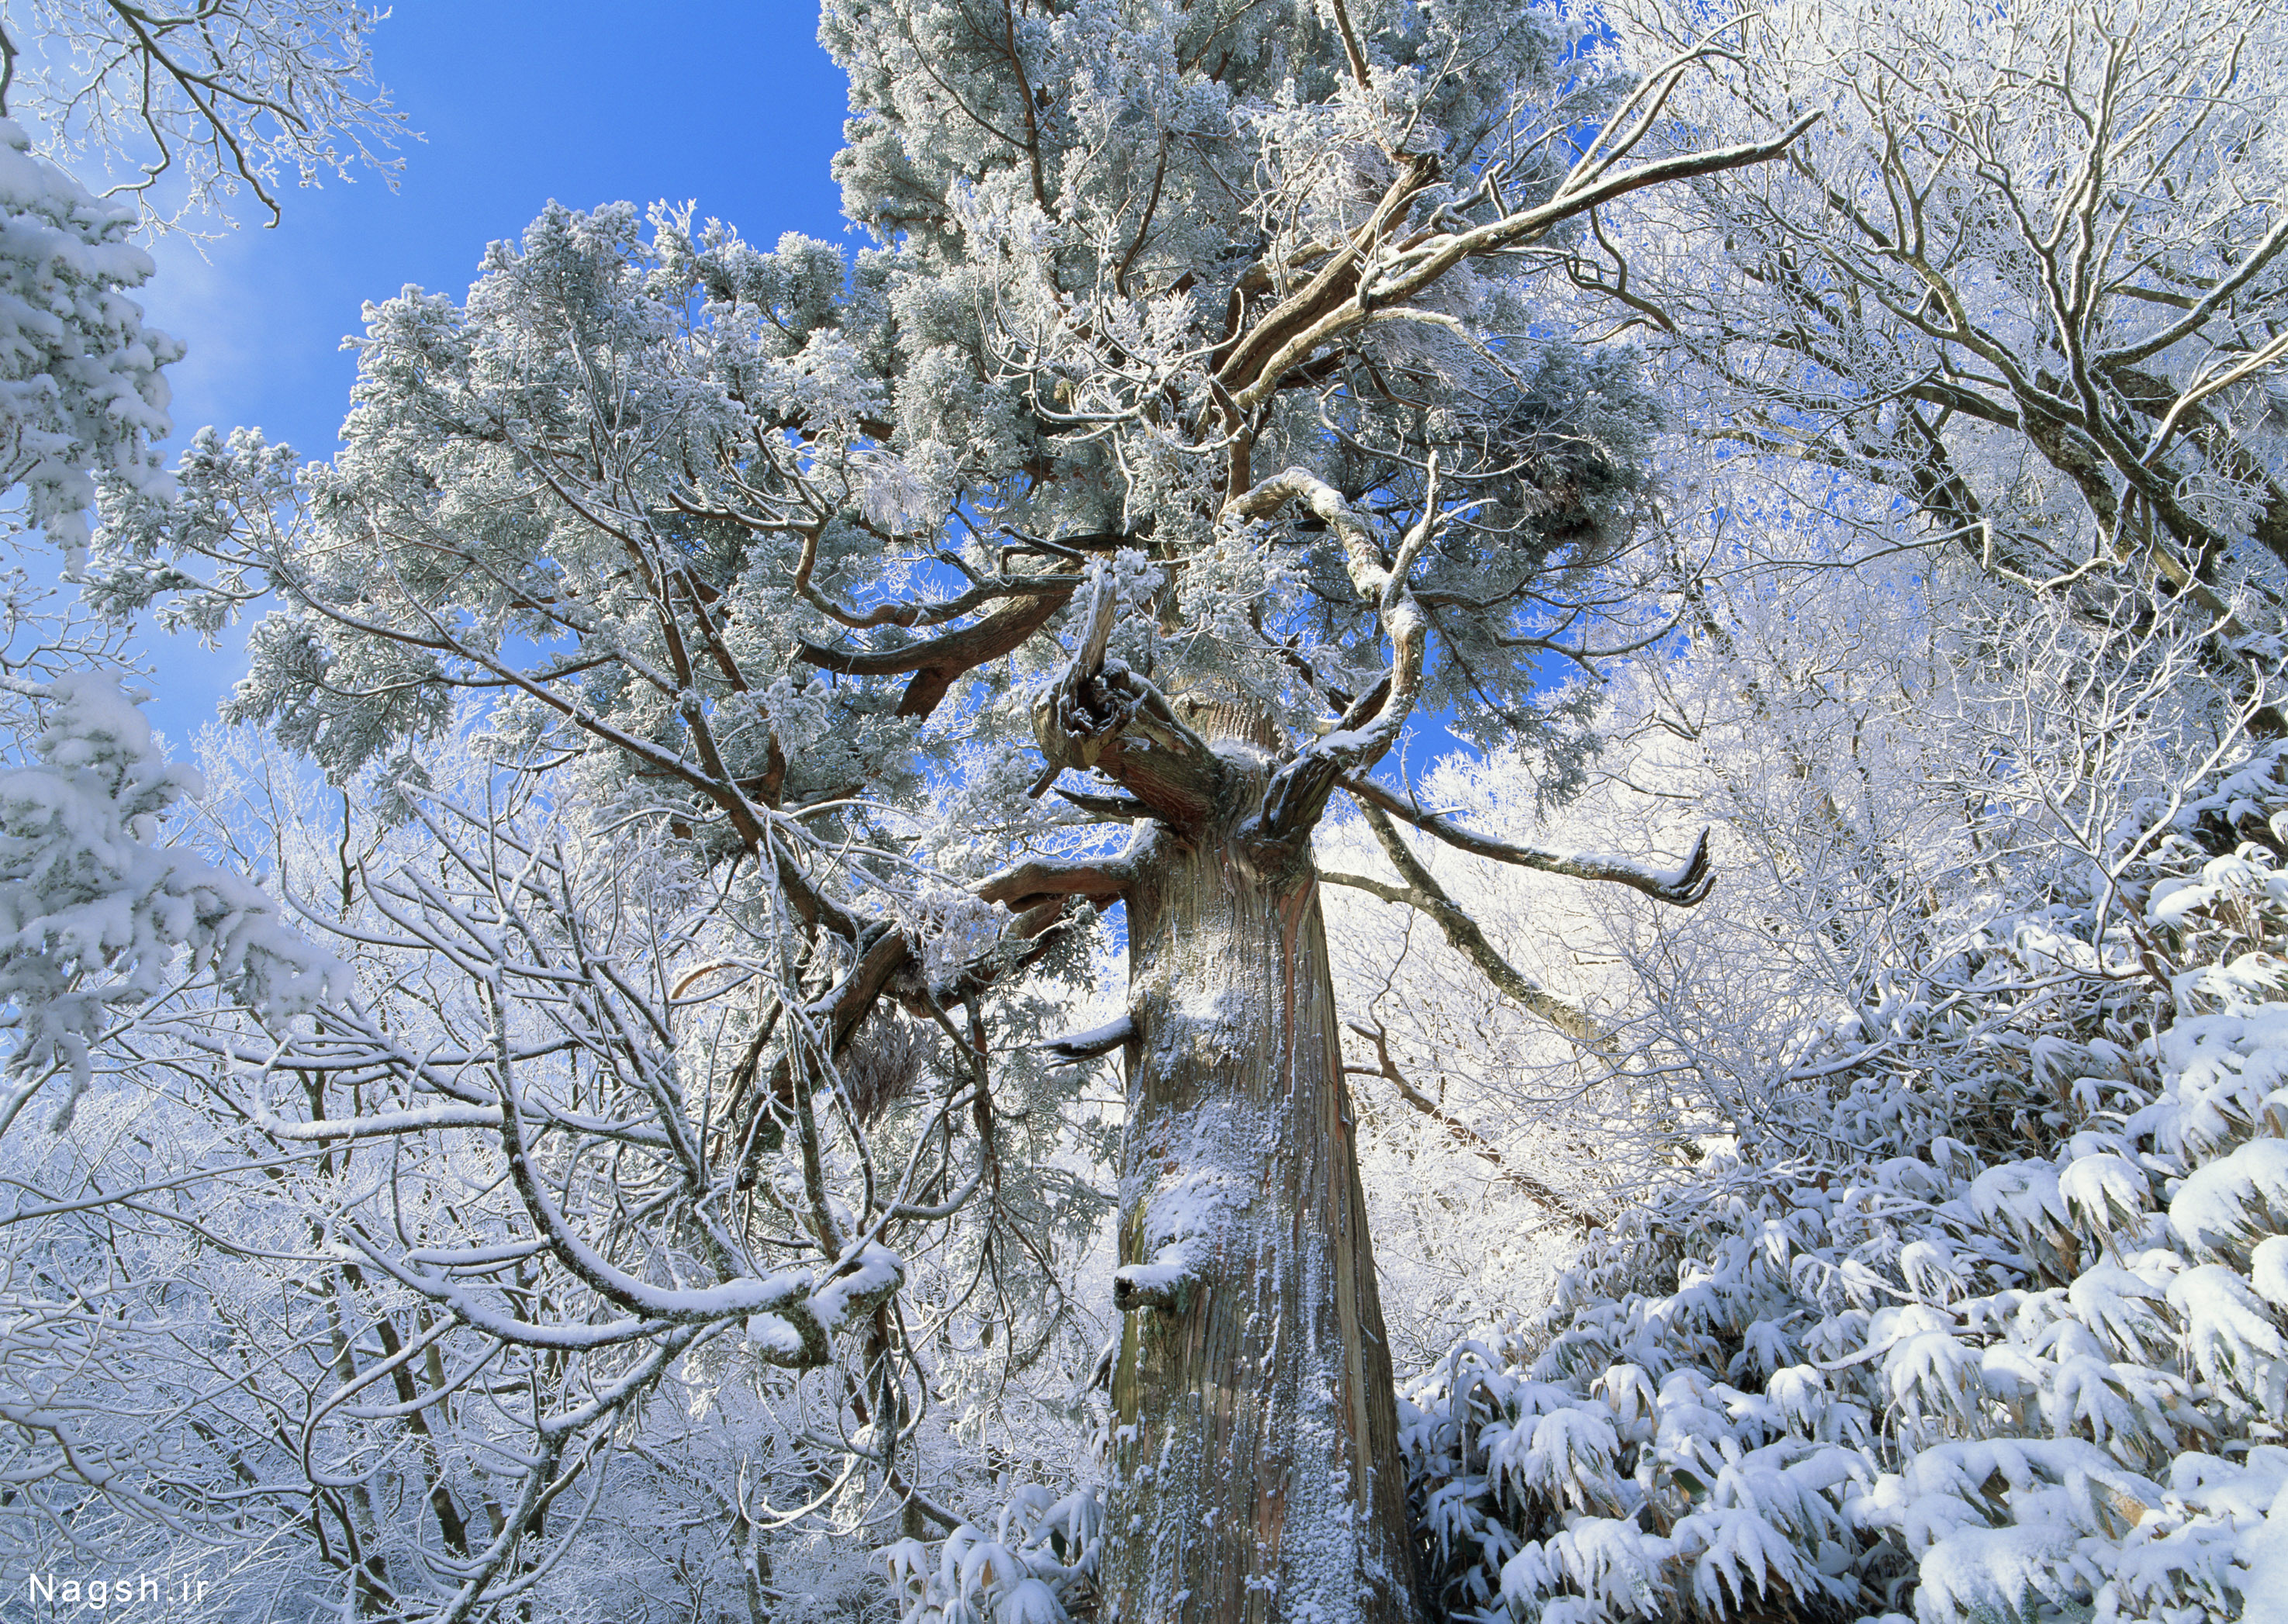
column 1439, row 810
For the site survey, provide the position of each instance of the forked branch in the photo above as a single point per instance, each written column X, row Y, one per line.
column 1422, row 892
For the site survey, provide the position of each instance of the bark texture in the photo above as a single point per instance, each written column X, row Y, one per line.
column 1256, row 1474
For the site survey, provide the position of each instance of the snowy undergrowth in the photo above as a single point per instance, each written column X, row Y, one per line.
column 1983, row 1322
column 1040, row 1556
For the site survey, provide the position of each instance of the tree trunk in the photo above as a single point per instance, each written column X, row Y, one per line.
column 1255, row 1471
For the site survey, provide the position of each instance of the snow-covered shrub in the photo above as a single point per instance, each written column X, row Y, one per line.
column 1040, row 1558
column 1986, row 1325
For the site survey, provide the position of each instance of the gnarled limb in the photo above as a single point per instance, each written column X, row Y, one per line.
column 1099, row 714
column 938, row 662
column 908, row 612
column 1422, row 892
column 1685, row 886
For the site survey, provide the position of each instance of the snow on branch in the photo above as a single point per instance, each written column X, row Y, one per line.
column 94, row 912
column 1028, row 885
column 1686, row 885
column 1318, row 313
column 1096, row 1041
column 81, row 390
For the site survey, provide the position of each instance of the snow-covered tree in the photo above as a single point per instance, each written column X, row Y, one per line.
column 1192, row 427
column 94, row 916
column 81, row 392
column 696, row 633
column 180, row 108
column 2024, row 275
column 97, row 916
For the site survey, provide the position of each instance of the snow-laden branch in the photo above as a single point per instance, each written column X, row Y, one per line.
column 1684, row 885
column 938, row 662
column 1077, row 1046
column 93, row 912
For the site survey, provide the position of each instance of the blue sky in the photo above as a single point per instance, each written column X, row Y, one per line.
column 730, row 104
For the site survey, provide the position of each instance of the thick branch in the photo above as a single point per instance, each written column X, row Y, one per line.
column 938, row 662
column 1120, row 808
column 1686, row 886
column 1026, row 886
column 1423, row 892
